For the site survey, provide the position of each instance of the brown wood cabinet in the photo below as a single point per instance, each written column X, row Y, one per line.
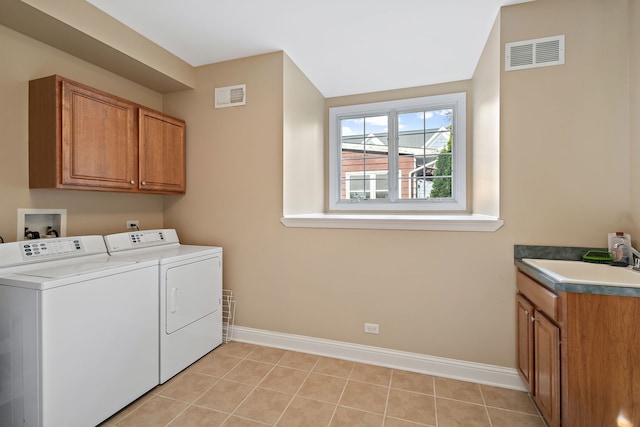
column 83, row 138
column 579, row 354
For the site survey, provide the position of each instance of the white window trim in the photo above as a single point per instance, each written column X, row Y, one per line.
column 465, row 222
column 458, row 203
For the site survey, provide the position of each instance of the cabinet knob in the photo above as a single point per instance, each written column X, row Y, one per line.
column 132, row 182
column 144, row 182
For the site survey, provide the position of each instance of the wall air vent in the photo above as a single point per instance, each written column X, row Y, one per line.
column 534, row 53
column 231, row 96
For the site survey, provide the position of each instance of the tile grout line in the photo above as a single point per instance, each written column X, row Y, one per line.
column 486, row 408
column 191, row 404
column 386, row 403
column 232, row 413
column 341, row 394
column 297, row 390
column 435, row 400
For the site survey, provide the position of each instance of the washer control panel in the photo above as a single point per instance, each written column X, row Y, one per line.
column 46, row 248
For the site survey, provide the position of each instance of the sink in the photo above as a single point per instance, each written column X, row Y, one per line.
column 578, row 272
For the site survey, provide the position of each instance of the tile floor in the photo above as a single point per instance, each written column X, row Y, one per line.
column 245, row 385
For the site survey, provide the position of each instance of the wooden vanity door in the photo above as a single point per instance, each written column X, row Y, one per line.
column 524, row 349
column 547, row 368
column 99, row 142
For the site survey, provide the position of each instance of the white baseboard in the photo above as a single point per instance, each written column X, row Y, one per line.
column 432, row 365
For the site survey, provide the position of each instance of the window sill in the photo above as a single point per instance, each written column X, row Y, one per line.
column 467, row 222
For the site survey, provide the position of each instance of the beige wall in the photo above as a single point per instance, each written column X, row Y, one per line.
column 565, row 130
column 24, row 59
column 485, row 124
column 634, row 117
column 303, row 143
column 565, row 179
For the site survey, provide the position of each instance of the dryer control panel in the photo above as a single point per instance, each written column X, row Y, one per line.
column 140, row 239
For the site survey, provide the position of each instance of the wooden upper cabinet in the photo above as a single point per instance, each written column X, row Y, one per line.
column 161, row 152
column 83, row 138
column 99, row 143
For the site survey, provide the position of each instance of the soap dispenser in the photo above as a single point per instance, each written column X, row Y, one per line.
column 620, row 248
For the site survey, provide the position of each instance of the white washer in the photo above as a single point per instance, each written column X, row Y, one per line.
column 190, row 282
column 78, row 332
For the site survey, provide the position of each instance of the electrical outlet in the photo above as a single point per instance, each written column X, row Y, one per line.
column 133, row 224
column 371, row 328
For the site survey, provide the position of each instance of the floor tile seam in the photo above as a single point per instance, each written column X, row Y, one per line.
column 228, row 414
column 459, row 400
column 296, row 392
column 486, row 411
column 178, row 414
column 360, row 409
column 255, row 387
column 344, row 387
column 292, row 367
column 536, row 414
column 413, row 391
column 218, row 379
column 418, row 424
column 386, row 403
column 204, row 374
column 245, row 418
column 435, row 400
column 245, row 383
column 370, row 383
column 275, row 363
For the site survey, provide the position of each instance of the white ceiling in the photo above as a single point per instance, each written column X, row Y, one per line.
column 343, row 46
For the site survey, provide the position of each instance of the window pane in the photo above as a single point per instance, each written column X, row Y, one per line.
column 364, row 150
column 359, row 186
column 423, row 137
column 427, row 139
column 382, row 186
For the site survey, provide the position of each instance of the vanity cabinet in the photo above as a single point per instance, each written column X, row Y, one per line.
column 83, row 138
column 538, row 345
column 579, row 353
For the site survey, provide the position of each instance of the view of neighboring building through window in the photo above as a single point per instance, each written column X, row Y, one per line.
column 419, row 141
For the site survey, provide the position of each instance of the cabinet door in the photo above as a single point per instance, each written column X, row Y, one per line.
column 547, row 368
column 524, row 338
column 99, row 144
column 162, row 152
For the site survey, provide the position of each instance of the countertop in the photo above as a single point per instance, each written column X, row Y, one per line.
column 565, row 253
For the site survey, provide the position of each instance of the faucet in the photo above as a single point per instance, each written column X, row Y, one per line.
column 617, row 254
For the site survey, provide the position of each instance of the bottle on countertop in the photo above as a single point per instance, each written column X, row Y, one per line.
column 620, row 248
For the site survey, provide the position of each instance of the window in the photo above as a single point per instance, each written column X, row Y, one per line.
column 421, row 141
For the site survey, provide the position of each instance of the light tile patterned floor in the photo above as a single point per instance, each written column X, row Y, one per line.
column 240, row 384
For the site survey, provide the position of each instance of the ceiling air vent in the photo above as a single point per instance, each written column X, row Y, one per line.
column 534, row 53
column 231, row 96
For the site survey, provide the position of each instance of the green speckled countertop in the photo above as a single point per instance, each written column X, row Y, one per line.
column 564, row 253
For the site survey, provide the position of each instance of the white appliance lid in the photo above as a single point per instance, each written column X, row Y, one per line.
column 70, row 270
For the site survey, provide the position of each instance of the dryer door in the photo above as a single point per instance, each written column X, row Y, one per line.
column 191, row 292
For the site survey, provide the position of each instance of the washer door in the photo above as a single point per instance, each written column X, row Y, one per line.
column 190, row 292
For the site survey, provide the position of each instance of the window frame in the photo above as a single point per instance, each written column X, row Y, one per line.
column 453, row 101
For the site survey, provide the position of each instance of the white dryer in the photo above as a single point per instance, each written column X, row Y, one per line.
column 190, row 284
column 78, row 332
